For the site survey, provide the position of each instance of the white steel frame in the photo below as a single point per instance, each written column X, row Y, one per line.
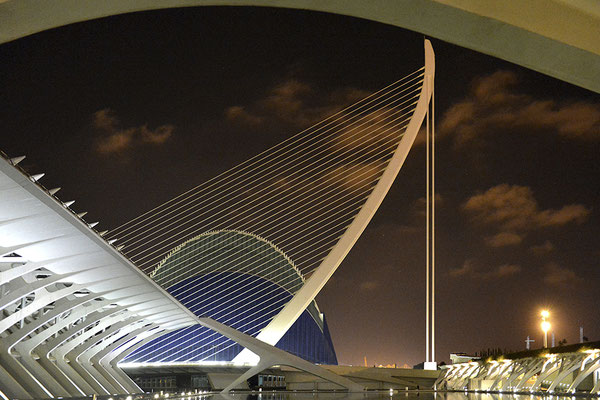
column 73, row 306
column 547, row 373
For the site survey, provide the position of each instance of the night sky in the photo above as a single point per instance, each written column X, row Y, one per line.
column 126, row 112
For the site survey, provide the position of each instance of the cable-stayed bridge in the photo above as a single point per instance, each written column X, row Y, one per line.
column 310, row 197
column 242, row 255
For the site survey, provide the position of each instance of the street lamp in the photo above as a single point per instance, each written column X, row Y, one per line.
column 545, row 326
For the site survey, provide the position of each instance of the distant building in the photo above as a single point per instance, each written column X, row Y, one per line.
column 457, row 358
column 245, row 295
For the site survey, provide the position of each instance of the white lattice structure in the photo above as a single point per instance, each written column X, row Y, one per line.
column 68, row 299
column 566, row 373
column 73, row 306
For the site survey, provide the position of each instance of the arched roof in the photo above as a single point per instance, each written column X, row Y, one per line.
column 225, row 251
column 556, row 37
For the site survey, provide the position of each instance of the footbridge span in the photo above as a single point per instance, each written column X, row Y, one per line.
column 561, row 370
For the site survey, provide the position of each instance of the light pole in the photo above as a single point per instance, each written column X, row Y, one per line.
column 545, row 326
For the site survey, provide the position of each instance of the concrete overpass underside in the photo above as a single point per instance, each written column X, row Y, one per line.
column 555, row 37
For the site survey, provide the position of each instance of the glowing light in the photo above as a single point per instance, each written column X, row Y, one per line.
column 546, row 326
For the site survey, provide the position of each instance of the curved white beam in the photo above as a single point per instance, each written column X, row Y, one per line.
column 26, row 348
column 102, row 365
column 270, row 356
column 292, row 310
column 532, row 370
column 551, row 373
column 80, row 357
column 590, row 369
column 548, row 369
column 67, row 278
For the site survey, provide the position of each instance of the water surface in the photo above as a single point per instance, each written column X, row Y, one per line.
column 380, row 395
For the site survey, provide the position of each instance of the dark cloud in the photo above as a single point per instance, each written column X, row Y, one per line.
column 114, row 139
column 494, row 103
column 420, row 205
column 240, row 116
column 555, row 275
column 471, row 270
column 368, row 286
column 354, row 149
column 502, row 239
column 513, row 210
column 294, row 103
column 544, row 248
column 353, row 176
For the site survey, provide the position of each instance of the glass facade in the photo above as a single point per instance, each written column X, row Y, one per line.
column 240, row 280
column 309, row 341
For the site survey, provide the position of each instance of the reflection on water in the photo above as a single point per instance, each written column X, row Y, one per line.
column 397, row 395
column 371, row 395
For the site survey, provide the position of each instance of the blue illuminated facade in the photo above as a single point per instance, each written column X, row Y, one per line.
column 240, row 280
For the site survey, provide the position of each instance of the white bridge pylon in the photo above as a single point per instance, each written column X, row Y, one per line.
column 310, row 196
column 313, row 285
